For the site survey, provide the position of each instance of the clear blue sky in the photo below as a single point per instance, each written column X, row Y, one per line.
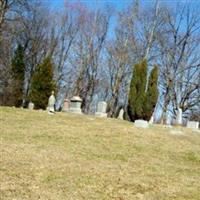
column 118, row 4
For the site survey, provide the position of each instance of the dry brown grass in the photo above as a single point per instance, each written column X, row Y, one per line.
column 66, row 156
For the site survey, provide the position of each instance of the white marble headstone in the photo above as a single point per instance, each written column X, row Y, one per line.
column 141, row 123
column 193, row 124
column 101, row 109
column 179, row 117
column 31, row 106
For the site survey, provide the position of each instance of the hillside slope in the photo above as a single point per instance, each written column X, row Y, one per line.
column 67, row 156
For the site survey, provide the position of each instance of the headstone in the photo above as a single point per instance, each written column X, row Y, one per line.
column 193, row 124
column 141, row 123
column 121, row 114
column 51, row 103
column 101, row 109
column 179, row 117
column 75, row 105
column 151, row 120
column 31, row 106
column 66, row 105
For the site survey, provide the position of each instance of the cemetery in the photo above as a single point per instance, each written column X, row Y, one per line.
column 99, row 100
column 69, row 155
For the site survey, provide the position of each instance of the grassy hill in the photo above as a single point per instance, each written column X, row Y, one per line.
column 73, row 157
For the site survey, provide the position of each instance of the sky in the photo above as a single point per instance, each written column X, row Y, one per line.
column 118, row 4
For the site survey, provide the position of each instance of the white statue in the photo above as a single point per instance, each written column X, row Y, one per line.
column 51, row 103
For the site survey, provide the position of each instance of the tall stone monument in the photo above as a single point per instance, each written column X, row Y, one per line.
column 51, row 103
column 101, row 109
column 75, row 105
column 179, row 119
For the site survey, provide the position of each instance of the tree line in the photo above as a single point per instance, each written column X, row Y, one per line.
column 148, row 64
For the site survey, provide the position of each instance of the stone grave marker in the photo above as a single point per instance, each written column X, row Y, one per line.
column 31, row 106
column 66, row 105
column 141, row 123
column 75, row 105
column 193, row 124
column 101, row 109
column 179, row 120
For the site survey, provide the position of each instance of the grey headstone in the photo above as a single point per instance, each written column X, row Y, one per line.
column 121, row 114
column 31, row 106
column 101, row 109
column 179, row 117
column 141, row 123
column 75, row 105
column 193, row 124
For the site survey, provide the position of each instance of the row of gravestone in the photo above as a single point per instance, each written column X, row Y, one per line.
column 74, row 105
column 179, row 121
column 145, row 124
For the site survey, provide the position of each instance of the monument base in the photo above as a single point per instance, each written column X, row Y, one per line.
column 75, row 110
column 100, row 114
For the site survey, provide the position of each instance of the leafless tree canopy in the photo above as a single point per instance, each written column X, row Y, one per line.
column 94, row 51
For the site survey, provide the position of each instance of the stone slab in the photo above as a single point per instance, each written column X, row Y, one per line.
column 100, row 114
column 75, row 110
column 193, row 124
column 101, row 107
column 141, row 124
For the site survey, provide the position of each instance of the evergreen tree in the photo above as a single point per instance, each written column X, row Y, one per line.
column 137, row 96
column 42, row 84
column 152, row 93
column 18, row 70
column 141, row 104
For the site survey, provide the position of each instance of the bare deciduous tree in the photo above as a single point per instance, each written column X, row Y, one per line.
column 180, row 71
column 91, row 42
